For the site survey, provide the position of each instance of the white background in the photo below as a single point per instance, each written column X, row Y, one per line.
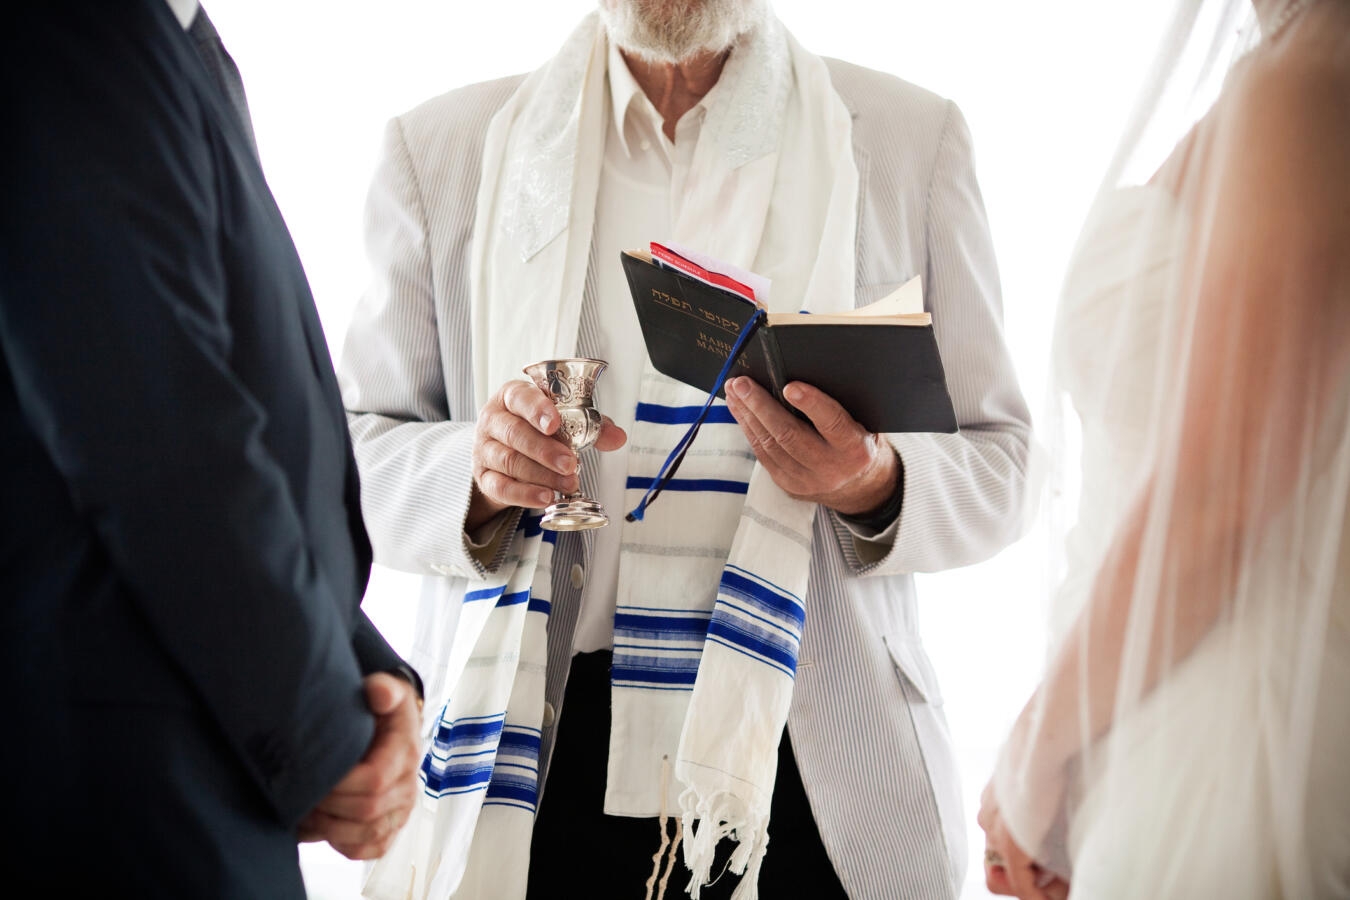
column 1045, row 86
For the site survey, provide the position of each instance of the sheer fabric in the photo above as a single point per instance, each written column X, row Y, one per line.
column 1192, row 733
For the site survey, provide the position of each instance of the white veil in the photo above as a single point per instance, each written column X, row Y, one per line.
column 1192, row 735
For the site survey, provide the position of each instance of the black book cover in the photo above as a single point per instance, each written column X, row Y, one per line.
column 888, row 376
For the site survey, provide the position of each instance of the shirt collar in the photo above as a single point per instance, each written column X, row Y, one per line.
column 745, row 108
column 623, row 91
column 184, row 11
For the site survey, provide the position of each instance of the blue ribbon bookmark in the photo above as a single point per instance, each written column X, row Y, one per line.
column 672, row 463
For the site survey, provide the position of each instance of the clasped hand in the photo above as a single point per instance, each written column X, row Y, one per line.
column 363, row 813
column 838, row 463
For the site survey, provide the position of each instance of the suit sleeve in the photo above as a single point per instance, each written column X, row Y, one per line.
column 963, row 493
column 414, row 452
column 376, row 655
column 113, row 322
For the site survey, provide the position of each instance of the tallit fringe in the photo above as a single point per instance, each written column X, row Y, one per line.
column 660, row 855
column 719, row 816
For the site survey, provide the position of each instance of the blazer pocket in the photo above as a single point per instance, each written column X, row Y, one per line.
column 909, row 657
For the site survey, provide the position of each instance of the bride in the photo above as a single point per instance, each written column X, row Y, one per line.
column 1191, row 737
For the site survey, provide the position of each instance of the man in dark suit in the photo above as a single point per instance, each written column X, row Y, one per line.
column 191, row 684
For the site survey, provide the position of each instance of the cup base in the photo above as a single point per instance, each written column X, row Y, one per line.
column 576, row 514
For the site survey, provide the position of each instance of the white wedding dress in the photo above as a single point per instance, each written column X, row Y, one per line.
column 1193, row 801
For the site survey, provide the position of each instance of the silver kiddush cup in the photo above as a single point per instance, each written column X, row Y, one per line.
column 570, row 384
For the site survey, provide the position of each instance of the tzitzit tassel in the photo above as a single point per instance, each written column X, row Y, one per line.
column 723, row 816
column 674, row 850
column 659, row 856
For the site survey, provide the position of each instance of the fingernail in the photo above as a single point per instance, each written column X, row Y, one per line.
column 565, row 464
column 739, row 387
column 544, row 421
column 793, row 393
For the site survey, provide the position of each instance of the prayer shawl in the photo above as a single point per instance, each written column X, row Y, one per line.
column 711, row 583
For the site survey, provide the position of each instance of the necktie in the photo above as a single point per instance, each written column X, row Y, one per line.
column 222, row 70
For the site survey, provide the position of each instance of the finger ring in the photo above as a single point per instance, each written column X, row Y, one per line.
column 993, row 858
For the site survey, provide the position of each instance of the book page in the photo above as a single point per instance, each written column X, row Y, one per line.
column 906, row 300
column 913, row 320
column 902, row 306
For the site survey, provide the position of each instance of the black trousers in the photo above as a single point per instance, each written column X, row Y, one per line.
column 578, row 851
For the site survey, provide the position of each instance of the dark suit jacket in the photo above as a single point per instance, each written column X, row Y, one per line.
column 181, row 549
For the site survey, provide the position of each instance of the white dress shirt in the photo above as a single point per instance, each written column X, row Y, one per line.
column 184, row 11
column 642, row 186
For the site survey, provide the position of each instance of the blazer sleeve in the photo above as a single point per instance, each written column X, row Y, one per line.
column 964, row 493
column 113, row 323
column 414, row 452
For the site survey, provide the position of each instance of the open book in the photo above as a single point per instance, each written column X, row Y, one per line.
column 880, row 361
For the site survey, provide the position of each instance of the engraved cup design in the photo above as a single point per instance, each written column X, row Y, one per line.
column 570, row 383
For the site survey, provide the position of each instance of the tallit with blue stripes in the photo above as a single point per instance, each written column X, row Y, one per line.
column 711, row 591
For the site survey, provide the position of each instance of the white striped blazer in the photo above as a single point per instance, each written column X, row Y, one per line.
column 866, row 719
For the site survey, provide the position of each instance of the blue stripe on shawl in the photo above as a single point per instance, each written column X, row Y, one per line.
column 519, row 741
column 653, row 687
column 763, row 619
column 514, row 782
column 514, row 599
column 539, row 604
column 658, row 628
column 524, row 794
column 759, row 659
column 648, row 629
column 530, row 524
column 459, row 779
column 768, row 599
column 652, row 662
column 446, row 757
column 718, row 414
column 759, row 642
column 758, row 619
column 528, row 807
column 469, row 730
column 491, row 593
column 719, row 485
column 637, row 676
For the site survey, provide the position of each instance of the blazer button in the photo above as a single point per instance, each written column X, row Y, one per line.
column 578, row 576
column 549, row 714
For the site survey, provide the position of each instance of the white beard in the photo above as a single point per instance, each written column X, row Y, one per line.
column 671, row 31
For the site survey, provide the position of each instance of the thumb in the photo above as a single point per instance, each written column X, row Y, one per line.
column 384, row 692
column 612, row 437
column 831, row 420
